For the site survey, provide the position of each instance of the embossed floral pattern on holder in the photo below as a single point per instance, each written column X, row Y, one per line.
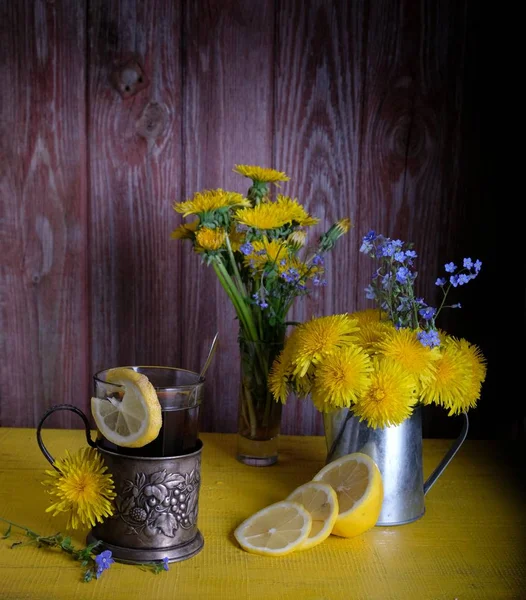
column 160, row 502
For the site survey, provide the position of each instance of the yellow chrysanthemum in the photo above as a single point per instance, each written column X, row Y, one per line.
column 341, row 378
column 403, row 346
column 82, row 488
column 390, row 397
column 453, row 385
column 186, row 231
column 210, row 200
column 210, row 239
column 260, row 174
column 320, row 337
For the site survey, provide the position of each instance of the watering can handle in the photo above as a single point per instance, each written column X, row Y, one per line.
column 448, row 457
column 47, row 414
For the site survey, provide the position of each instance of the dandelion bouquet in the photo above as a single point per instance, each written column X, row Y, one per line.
column 383, row 362
column 257, row 245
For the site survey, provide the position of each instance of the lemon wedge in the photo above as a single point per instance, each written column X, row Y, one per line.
column 276, row 530
column 133, row 421
column 321, row 502
column 357, row 481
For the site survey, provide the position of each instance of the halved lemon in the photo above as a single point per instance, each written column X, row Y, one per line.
column 276, row 530
column 321, row 502
column 133, row 421
column 357, row 481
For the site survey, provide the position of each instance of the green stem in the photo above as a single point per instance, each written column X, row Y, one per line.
column 29, row 531
column 239, row 303
column 234, row 267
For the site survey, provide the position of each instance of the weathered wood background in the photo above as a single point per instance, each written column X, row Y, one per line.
column 370, row 106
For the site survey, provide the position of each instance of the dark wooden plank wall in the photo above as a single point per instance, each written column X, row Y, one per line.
column 367, row 105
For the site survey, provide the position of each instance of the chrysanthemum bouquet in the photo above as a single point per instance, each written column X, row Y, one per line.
column 382, row 362
column 257, row 246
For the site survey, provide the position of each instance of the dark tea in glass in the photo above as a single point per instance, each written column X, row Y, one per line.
column 180, row 394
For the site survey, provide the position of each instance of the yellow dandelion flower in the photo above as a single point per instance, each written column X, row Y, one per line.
column 369, row 315
column 390, row 397
column 262, row 216
column 453, row 385
column 341, row 378
column 281, row 370
column 260, row 174
column 371, row 333
column 297, row 239
column 81, row 488
column 265, row 251
column 320, row 337
column 273, row 215
column 210, row 200
column 210, row 239
column 477, row 363
column 343, row 225
column 186, row 231
column 403, row 346
column 294, row 211
column 237, row 238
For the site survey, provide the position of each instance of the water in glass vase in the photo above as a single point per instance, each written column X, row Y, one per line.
column 259, row 422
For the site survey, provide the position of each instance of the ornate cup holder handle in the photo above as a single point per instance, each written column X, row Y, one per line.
column 47, row 414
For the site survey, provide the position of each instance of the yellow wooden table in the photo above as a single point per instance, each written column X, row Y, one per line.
column 469, row 544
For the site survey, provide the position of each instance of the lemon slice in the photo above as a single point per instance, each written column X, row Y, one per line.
column 276, row 530
column 136, row 419
column 357, row 481
column 321, row 502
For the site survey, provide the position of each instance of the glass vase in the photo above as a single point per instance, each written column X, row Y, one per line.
column 259, row 420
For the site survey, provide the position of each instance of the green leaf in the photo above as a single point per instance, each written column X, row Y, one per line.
column 7, row 533
column 88, row 575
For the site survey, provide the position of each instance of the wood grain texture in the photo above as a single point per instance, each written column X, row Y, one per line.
column 135, row 158
column 469, row 545
column 227, row 120
column 371, row 107
column 43, row 313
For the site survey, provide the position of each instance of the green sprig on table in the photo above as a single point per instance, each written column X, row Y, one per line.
column 86, row 556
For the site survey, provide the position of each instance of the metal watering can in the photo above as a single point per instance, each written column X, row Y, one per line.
column 398, row 453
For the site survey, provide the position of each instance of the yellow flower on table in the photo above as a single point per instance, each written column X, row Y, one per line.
column 82, row 488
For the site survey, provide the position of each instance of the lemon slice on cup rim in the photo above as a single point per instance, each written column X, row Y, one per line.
column 276, row 530
column 136, row 419
column 357, row 481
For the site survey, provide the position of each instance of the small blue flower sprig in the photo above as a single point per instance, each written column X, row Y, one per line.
column 392, row 286
column 96, row 562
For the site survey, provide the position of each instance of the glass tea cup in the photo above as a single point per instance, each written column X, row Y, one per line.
column 180, row 394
